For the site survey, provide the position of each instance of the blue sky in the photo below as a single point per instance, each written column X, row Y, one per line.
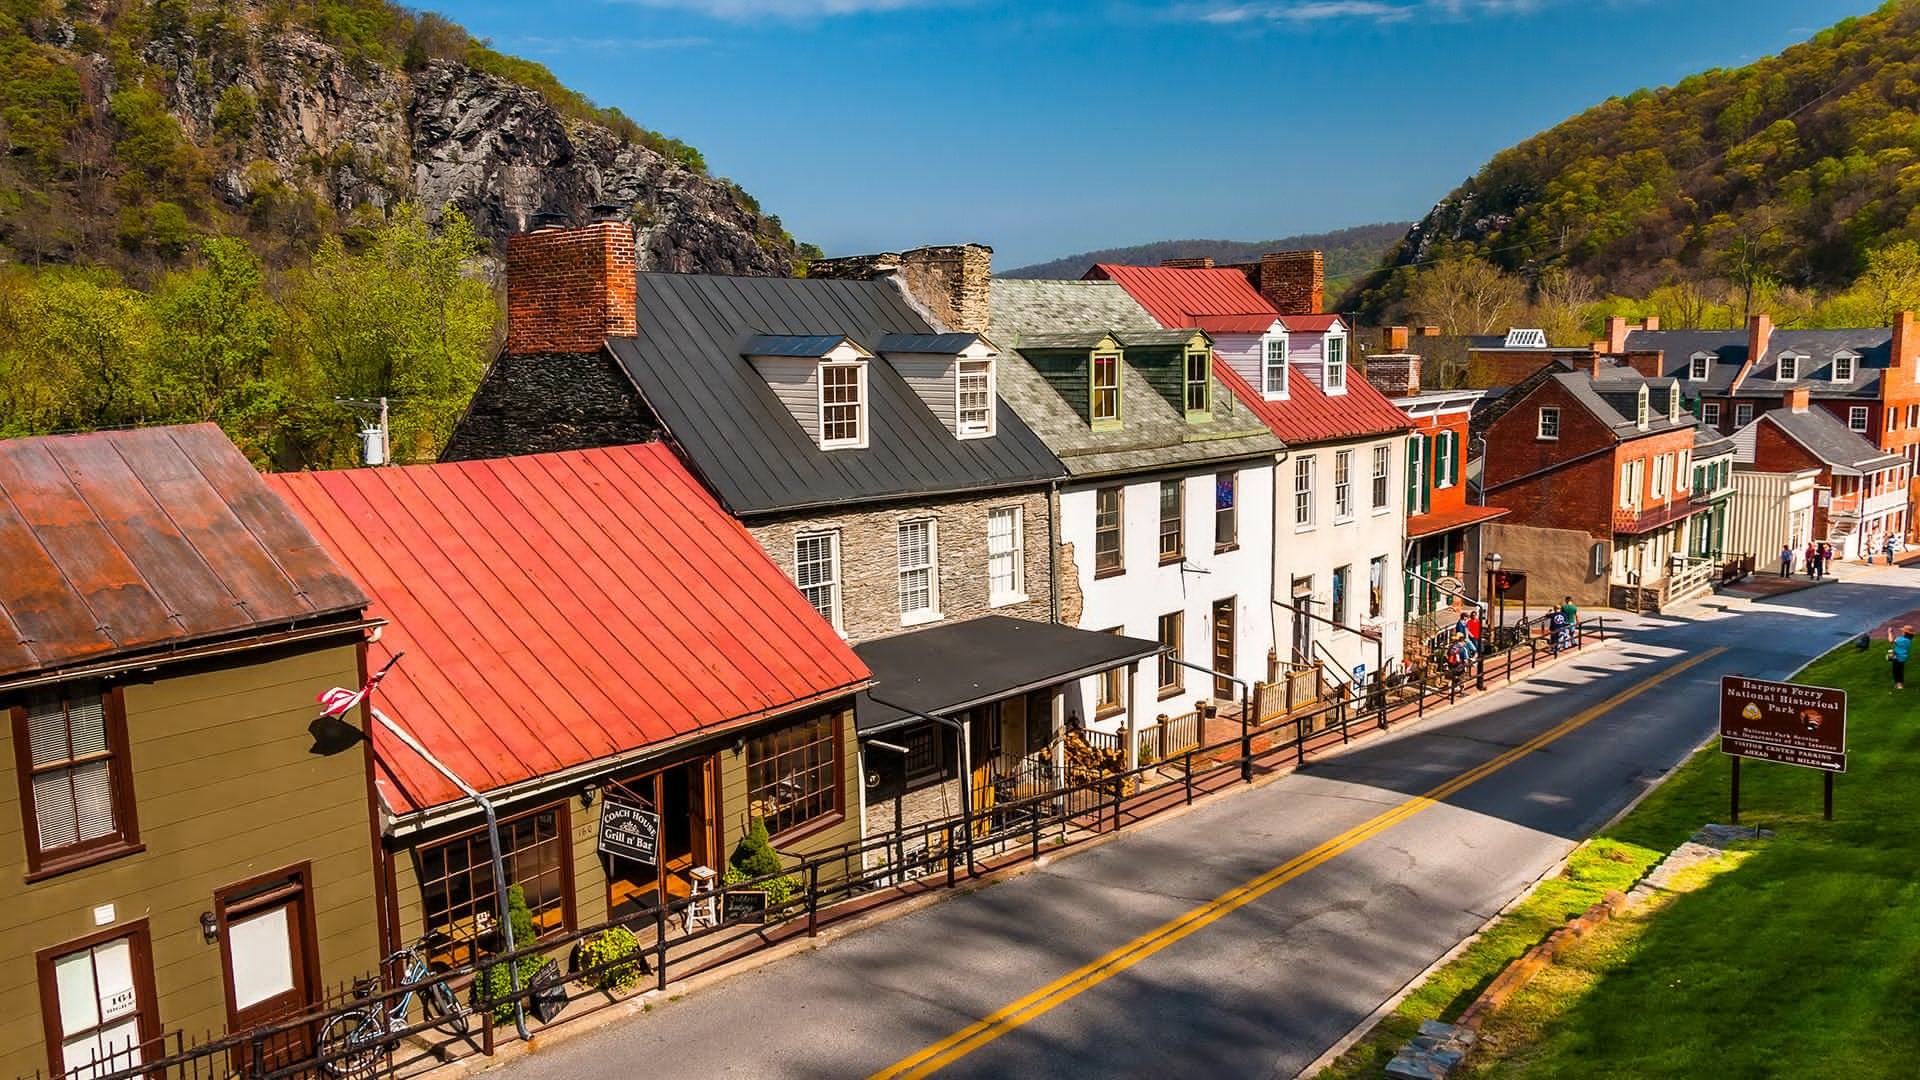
column 1045, row 128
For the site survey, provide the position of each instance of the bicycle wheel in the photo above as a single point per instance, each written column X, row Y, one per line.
column 350, row 1044
column 440, row 999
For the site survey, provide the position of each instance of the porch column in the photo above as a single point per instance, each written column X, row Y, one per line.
column 1057, row 715
column 1131, row 746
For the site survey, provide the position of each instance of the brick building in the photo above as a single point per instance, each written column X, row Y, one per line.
column 857, row 428
column 1604, row 453
column 1860, row 491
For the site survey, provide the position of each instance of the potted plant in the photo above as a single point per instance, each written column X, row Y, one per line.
column 753, row 858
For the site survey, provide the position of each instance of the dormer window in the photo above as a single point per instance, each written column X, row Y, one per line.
column 1104, row 399
column 1274, row 366
column 1673, row 404
column 1336, row 369
column 1843, row 365
column 1699, row 367
column 1641, row 419
column 843, row 406
column 1199, row 384
column 1788, row 368
column 973, row 391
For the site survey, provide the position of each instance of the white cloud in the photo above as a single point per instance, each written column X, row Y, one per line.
column 537, row 44
column 740, row 10
column 1306, row 12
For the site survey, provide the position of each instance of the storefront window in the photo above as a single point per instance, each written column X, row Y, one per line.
column 793, row 774
column 457, row 888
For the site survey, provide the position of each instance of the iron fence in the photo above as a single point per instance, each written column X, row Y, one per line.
column 398, row 1035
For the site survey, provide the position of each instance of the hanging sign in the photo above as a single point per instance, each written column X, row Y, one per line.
column 629, row 831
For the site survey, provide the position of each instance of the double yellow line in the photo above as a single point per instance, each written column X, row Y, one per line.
column 1066, row 987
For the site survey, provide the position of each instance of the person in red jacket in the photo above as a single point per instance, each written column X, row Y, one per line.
column 1473, row 629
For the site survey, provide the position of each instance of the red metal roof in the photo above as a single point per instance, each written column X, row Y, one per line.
column 557, row 609
column 1309, row 324
column 1213, row 299
column 1440, row 521
column 118, row 542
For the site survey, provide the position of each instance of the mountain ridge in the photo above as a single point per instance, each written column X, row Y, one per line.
column 1350, row 252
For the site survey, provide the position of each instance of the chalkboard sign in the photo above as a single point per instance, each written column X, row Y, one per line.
column 549, row 993
column 743, row 905
column 629, row 831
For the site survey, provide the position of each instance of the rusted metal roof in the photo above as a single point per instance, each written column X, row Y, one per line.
column 1459, row 517
column 124, row 542
column 560, row 609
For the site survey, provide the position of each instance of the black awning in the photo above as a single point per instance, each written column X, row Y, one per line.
column 946, row 669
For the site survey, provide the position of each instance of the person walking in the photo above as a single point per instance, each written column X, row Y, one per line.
column 1786, row 559
column 1826, row 558
column 1813, row 560
column 1898, row 655
column 1556, row 632
column 1889, row 549
column 1573, row 618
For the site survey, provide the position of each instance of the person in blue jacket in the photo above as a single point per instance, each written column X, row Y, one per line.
column 1898, row 655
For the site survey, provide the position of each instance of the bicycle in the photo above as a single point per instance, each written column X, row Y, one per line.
column 350, row 1043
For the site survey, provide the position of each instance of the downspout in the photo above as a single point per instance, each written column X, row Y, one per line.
column 493, row 841
column 1053, row 555
column 966, row 760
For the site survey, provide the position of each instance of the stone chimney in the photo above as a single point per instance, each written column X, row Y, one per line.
column 1393, row 339
column 1795, row 399
column 1294, row 282
column 1205, row 262
column 568, row 290
column 1759, row 330
column 950, row 281
column 1394, row 374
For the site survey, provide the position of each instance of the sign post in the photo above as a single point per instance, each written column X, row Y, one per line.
column 1785, row 722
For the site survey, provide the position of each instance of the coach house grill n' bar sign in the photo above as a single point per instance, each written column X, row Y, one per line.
column 1784, row 722
column 629, row 831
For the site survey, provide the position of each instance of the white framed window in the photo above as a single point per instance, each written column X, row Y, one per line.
column 1641, row 415
column 1843, row 365
column 1199, row 382
column 1857, row 417
column 1699, row 367
column 1710, row 413
column 1673, row 403
column 1787, row 368
column 1173, row 520
column 1336, row 368
column 1104, row 405
column 919, row 581
column 1341, row 576
column 843, row 405
column 1226, row 512
column 1108, row 555
column 1303, row 491
column 973, row 398
column 1913, row 416
column 1660, row 466
column 1446, row 462
column 1382, row 464
column 816, row 570
column 1742, row 414
column 1343, row 485
column 1006, row 556
column 98, row 1010
column 1274, row 367
column 1549, row 425
column 1893, row 419
column 1681, row 469
column 1416, row 473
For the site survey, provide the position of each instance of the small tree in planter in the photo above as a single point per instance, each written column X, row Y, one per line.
column 494, row 986
column 754, row 857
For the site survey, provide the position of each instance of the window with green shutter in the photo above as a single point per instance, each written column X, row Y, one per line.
column 1416, row 472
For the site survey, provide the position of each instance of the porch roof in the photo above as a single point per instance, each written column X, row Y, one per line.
column 949, row 668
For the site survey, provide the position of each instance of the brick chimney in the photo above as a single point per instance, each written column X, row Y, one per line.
column 1293, row 281
column 950, row 281
column 1651, row 322
column 1617, row 333
column 568, row 290
column 1394, row 374
column 1900, row 352
column 1796, row 399
column 1759, row 330
column 1594, row 364
column 1428, row 331
column 1205, row 262
column 1393, row 339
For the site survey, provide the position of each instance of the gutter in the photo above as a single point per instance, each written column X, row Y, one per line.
column 1013, row 691
column 152, row 661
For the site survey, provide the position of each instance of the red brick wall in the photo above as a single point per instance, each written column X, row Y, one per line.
column 1453, row 497
column 568, row 290
column 1774, row 452
column 1575, row 496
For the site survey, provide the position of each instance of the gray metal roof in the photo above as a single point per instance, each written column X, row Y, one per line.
column 1710, row 443
column 1614, row 401
column 688, row 365
column 1872, row 345
column 1152, row 435
column 805, row 346
column 927, row 344
column 1826, row 437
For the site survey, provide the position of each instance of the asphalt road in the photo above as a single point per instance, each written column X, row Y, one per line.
column 1261, row 989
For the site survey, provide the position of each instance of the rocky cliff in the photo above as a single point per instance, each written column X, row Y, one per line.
column 205, row 116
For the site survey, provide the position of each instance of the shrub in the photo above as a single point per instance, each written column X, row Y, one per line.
column 754, row 857
column 610, row 960
column 493, row 987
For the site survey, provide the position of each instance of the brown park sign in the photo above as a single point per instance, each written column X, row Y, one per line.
column 1784, row 722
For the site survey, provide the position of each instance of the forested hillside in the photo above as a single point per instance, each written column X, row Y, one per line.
column 1781, row 175
column 192, row 191
column 1350, row 253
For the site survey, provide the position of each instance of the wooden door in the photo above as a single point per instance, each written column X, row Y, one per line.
column 1302, row 624
column 1223, row 646
column 267, row 950
column 700, row 815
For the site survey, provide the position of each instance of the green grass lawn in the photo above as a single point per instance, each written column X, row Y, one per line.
column 1798, row 962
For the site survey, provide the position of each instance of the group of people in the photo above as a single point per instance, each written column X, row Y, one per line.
column 1464, row 643
column 1886, row 547
column 1819, row 556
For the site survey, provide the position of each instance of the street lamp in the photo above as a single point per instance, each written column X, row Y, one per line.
column 1480, row 654
column 1499, row 590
